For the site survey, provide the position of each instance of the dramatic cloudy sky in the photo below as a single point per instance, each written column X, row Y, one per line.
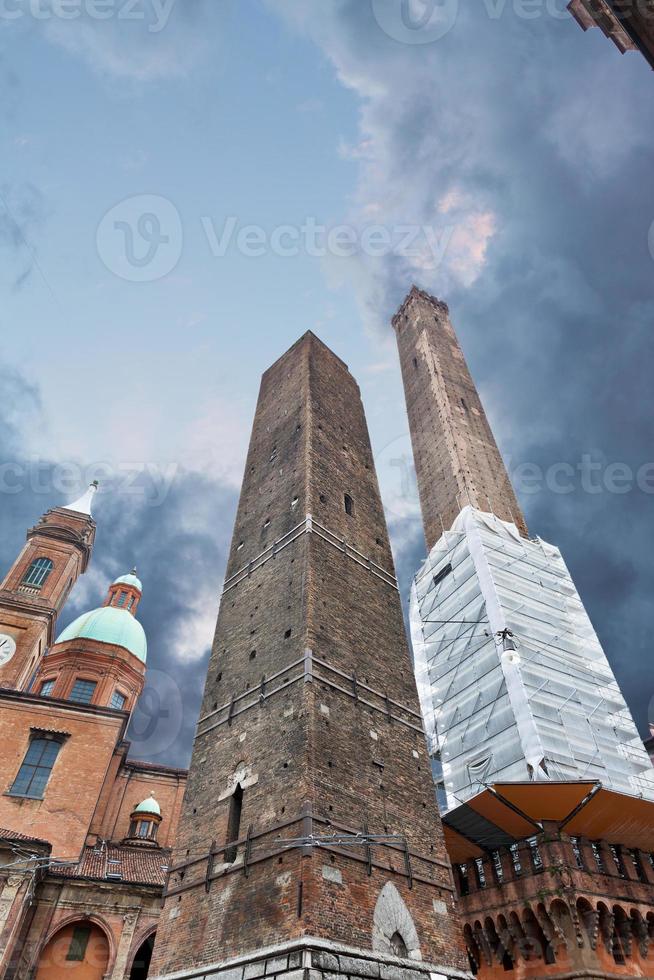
column 167, row 170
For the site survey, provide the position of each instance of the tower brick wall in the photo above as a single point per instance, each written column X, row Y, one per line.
column 456, row 457
column 310, row 712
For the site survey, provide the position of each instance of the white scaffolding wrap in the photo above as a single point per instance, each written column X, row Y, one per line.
column 551, row 708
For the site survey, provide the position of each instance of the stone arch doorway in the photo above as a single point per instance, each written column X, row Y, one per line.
column 79, row 951
column 141, row 963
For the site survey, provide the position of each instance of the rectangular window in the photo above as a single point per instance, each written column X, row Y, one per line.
column 597, row 854
column 83, row 691
column 121, row 599
column 576, row 849
column 35, row 771
column 464, row 881
column 78, row 943
column 638, row 866
column 47, row 688
column 616, row 854
column 536, row 859
column 444, row 572
column 515, row 857
column 117, row 701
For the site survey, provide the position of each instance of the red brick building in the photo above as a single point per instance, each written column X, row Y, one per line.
column 628, row 23
column 85, row 832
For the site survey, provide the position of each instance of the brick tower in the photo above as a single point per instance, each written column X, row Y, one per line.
column 37, row 585
column 456, row 457
column 309, row 836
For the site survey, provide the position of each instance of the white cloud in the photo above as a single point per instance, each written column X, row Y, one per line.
column 144, row 41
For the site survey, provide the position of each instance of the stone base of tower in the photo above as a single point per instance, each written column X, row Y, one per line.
column 317, row 959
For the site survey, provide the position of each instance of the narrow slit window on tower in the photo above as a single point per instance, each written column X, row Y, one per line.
column 234, row 823
column 349, row 505
column 37, row 573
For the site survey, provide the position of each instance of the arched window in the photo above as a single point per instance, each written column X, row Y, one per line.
column 349, row 505
column 35, row 771
column 141, row 964
column 80, row 949
column 37, row 573
column 398, row 946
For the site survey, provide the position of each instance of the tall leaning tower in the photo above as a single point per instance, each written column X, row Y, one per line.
column 309, row 837
column 456, row 457
column 513, row 681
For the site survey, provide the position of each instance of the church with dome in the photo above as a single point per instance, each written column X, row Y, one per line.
column 85, row 829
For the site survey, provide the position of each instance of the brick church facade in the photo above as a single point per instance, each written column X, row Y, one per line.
column 85, row 831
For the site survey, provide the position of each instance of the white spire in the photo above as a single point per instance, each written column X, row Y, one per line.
column 83, row 505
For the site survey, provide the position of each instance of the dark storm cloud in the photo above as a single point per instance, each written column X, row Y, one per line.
column 534, row 143
column 179, row 547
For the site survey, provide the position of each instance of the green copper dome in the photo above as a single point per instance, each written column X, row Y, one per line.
column 109, row 625
column 148, row 806
column 130, row 579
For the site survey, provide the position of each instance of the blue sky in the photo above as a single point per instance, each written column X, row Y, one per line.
column 515, row 149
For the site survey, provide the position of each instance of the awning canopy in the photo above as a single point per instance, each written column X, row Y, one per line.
column 505, row 813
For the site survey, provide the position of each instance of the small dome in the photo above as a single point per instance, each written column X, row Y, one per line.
column 130, row 579
column 109, row 625
column 148, row 806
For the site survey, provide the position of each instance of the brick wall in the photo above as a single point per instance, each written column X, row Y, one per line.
column 456, row 457
column 310, row 703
